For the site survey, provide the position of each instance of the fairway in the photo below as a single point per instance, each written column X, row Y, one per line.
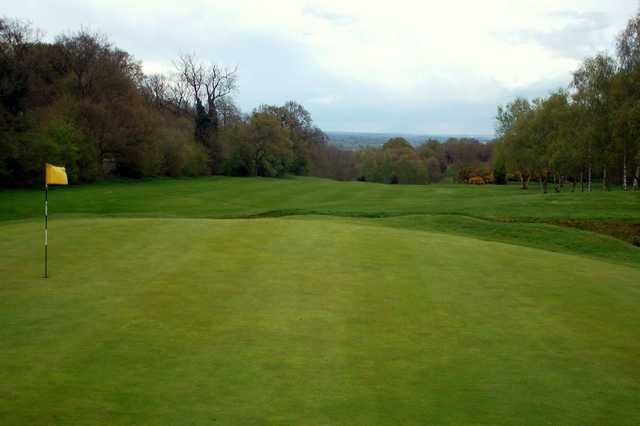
column 225, row 197
column 313, row 320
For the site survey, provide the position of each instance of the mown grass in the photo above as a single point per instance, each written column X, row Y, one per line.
column 242, row 197
column 444, row 208
column 553, row 238
column 372, row 304
column 280, row 321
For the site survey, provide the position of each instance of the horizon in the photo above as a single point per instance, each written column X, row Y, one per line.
column 460, row 135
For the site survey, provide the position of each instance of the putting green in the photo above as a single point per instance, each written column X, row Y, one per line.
column 196, row 321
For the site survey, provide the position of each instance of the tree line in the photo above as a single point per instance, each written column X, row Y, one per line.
column 588, row 132
column 397, row 161
column 83, row 103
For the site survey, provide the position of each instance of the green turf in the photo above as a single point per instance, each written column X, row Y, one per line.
column 374, row 304
column 241, row 197
column 186, row 321
column 443, row 208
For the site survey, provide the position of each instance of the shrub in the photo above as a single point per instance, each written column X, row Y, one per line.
column 476, row 180
column 196, row 160
column 180, row 155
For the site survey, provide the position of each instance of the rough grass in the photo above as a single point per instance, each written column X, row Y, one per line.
column 374, row 304
column 629, row 232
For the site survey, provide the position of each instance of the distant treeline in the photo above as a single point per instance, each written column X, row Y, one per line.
column 589, row 131
column 397, row 161
column 401, row 161
column 357, row 140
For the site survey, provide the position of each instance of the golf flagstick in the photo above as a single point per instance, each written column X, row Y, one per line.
column 46, row 214
column 55, row 176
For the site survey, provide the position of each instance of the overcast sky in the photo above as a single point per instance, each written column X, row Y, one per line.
column 396, row 66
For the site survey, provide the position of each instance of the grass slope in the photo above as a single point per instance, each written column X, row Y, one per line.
column 548, row 237
column 242, row 197
column 443, row 208
column 191, row 321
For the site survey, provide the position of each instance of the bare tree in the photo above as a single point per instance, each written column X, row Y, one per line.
column 167, row 92
column 219, row 82
column 16, row 34
column 208, row 85
column 178, row 93
column 228, row 112
column 156, row 87
column 191, row 73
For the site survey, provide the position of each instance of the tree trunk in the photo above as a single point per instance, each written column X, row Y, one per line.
column 522, row 185
column 604, row 178
column 545, row 187
column 582, row 181
column 526, row 182
column 558, row 183
column 589, row 178
column 636, row 179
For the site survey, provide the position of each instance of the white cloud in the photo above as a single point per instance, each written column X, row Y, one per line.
column 440, row 64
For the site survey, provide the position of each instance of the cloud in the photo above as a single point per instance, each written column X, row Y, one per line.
column 579, row 34
column 410, row 66
column 334, row 18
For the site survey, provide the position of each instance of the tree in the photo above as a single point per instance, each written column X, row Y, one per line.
column 332, row 162
column 625, row 99
column 592, row 82
column 514, row 129
column 270, row 146
column 304, row 135
column 550, row 134
column 17, row 40
column 433, row 170
column 563, row 154
column 435, row 149
column 208, row 85
column 628, row 45
column 499, row 164
column 370, row 164
column 508, row 115
column 625, row 120
column 401, row 163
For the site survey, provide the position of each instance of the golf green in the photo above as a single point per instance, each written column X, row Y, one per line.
column 309, row 321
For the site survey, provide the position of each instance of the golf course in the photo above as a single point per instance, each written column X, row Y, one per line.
column 307, row 301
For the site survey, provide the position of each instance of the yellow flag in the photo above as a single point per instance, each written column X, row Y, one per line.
column 56, row 175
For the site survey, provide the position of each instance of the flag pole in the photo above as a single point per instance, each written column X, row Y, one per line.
column 57, row 176
column 46, row 214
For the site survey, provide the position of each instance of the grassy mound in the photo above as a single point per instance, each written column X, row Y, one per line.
column 495, row 213
column 308, row 321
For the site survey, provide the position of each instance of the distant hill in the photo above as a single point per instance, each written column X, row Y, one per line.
column 354, row 140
